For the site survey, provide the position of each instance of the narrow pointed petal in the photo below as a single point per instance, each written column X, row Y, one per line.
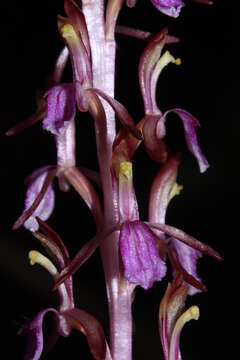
column 154, row 145
column 31, row 120
column 189, row 123
column 186, row 239
column 55, row 238
column 169, row 7
column 141, row 260
column 91, row 328
column 61, row 107
column 83, row 186
column 188, row 258
column 79, row 259
column 39, row 200
column 206, row 2
column 191, row 314
column 161, row 190
column 142, row 35
column 83, row 255
column 121, row 113
column 33, row 330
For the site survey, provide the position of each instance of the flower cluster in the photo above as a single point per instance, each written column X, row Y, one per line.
column 134, row 252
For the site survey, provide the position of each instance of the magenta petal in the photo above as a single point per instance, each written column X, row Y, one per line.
column 45, row 208
column 61, row 107
column 189, row 123
column 142, row 264
column 33, row 330
column 169, row 7
column 188, row 257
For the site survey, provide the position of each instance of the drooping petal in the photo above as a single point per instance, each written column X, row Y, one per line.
column 188, row 258
column 91, row 328
column 141, row 260
column 189, row 123
column 33, row 330
column 169, row 7
column 61, row 107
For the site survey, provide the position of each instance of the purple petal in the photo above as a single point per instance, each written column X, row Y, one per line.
column 45, row 208
column 188, row 257
column 142, row 264
column 189, row 123
column 61, row 106
column 169, row 7
column 34, row 331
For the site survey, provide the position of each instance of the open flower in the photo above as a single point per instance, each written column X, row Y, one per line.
column 67, row 316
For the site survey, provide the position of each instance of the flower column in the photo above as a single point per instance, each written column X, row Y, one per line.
column 118, row 290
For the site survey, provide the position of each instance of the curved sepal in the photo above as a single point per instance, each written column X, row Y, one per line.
column 189, row 124
column 33, row 330
column 92, row 329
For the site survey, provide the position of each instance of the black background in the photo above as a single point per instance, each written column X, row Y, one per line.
column 206, row 84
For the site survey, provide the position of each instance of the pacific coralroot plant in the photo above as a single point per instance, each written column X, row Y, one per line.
column 134, row 251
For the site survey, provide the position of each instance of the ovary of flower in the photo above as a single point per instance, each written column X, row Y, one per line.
column 176, row 190
column 125, row 171
column 36, row 257
column 68, row 33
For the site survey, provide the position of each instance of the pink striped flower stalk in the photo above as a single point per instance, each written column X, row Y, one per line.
column 133, row 251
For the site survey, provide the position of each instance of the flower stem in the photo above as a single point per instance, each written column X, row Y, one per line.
column 118, row 291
